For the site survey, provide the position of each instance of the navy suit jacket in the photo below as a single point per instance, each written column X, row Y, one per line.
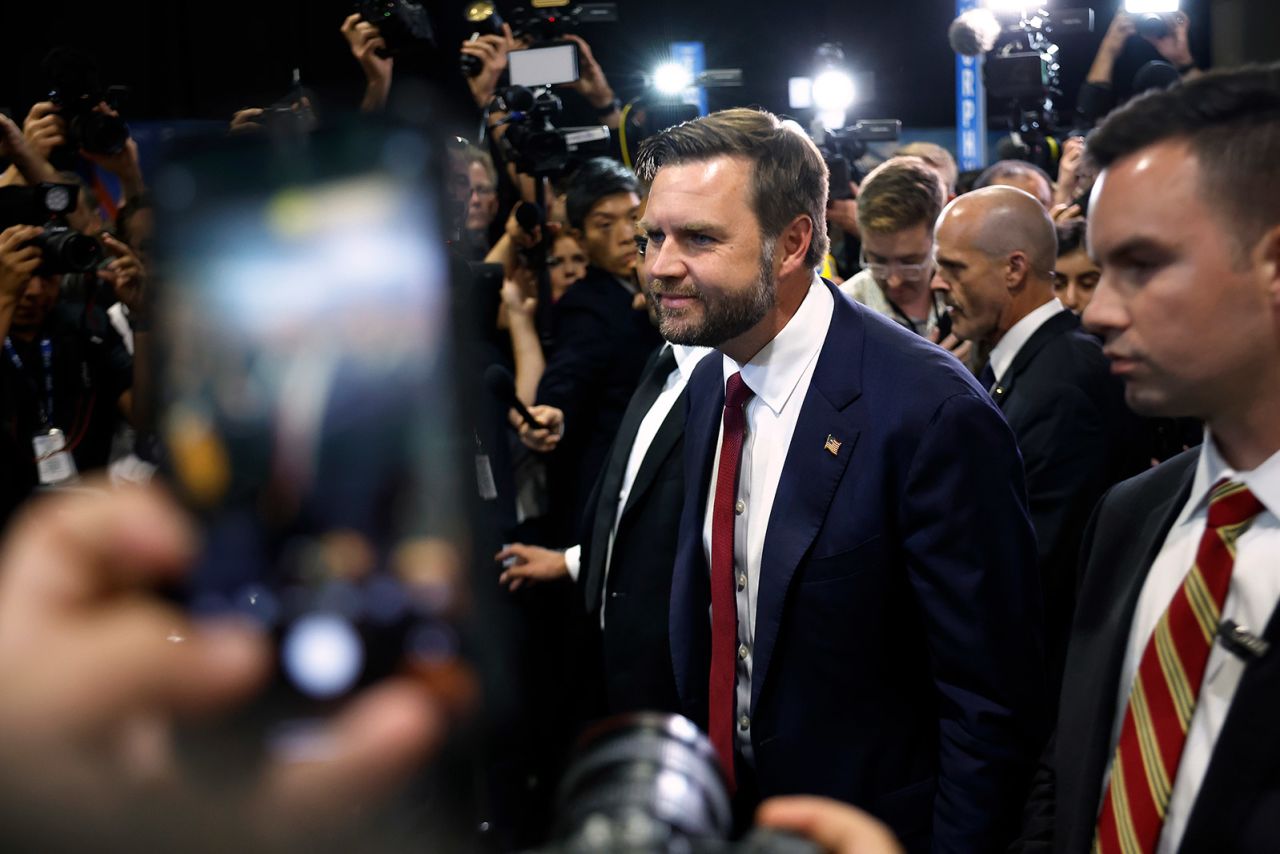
column 898, row 660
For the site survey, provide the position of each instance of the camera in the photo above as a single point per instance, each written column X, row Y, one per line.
column 77, row 90
column 535, row 145
column 62, row 248
column 1152, row 26
column 551, row 19
column 844, row 147
column 403, row 24
column 1023, row 71
column 650, row 782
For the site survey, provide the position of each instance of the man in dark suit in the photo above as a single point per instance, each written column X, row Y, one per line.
column 623, row 564
column 602, row 336
column 1167, row 738
column 996, row 249
column 854, row 516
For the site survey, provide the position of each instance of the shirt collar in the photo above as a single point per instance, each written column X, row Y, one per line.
column 687, row 358
column 775, row 371
column 1003, row 354
column 1263, row 481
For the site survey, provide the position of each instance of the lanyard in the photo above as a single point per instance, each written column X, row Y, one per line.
column 46, row 356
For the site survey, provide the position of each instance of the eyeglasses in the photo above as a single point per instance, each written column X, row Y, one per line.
column 906, row 272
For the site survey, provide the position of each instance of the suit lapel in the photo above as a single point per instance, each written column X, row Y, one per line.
column 1059, row 324
column 1099, row 640
column 812, row 470
column 663, row 441
column 689, row 626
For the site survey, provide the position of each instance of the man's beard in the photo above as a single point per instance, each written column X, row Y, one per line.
column 725, row 317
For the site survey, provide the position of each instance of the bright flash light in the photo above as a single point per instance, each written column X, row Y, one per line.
column 1012, row 7
column 672, row 78
column 1150, row 7
column 832, row 90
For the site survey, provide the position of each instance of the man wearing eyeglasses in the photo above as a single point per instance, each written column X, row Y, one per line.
column 898, row 204
column 996, row 249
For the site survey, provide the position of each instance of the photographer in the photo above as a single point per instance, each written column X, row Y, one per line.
column 1100, row 94
column 365, row 42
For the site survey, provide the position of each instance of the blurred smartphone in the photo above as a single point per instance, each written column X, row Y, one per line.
column 308, row 404
column 543, row 66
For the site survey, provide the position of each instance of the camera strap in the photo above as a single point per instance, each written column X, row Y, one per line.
column 46, row 356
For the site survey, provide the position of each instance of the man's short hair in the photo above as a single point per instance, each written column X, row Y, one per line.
column 1071, row 236
column 1001, row 169
column 1230, row 119
column 900, row 193
column 937, row 157
column 595, row 179
column 788, row 175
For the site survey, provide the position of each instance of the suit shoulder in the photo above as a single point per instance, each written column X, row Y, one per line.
column 896, row 359
column 1153, row 484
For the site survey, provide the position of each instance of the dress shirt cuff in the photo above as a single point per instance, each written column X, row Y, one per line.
column 573, row 561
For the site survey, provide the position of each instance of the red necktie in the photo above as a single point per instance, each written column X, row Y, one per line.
column 724, row 609
column 1167, row 685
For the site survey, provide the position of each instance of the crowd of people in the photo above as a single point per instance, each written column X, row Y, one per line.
column 964, row 544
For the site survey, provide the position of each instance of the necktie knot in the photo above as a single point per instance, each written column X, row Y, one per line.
column 736, row 392
column 1231, row 504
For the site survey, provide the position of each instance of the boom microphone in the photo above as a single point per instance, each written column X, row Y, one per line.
column 974, row 32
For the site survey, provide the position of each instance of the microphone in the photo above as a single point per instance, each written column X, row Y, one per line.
column 1241, row 642
column 503, row 386
column 974, row 32
column 529, row 216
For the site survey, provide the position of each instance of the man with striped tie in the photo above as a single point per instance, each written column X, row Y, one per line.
column 1168, row 736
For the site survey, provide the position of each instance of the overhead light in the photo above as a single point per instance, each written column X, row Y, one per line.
column 672, row 78
column 833, row 90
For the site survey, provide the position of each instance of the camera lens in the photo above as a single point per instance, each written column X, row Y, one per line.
column 67, row 251
column 638, row 781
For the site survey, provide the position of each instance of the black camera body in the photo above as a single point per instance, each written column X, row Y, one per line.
column 1152, row 26
column 547, row 22
column 404, row 25
column 535, row 145
column 62, row 248
column 76, row 88
column 844, row 147
column 649, row 783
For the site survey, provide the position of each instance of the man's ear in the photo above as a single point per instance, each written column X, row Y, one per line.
column 1017, row 269
column 1266, row 259
column 793, row 244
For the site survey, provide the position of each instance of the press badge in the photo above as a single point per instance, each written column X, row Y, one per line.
column 53, row 461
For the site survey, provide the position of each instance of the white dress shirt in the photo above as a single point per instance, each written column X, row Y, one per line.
column 779, row 376
column 1251, row 599
column 862, row 287
column 1006, row 350
column 687, row 359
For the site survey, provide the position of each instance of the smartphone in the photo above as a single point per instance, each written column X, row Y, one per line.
column 308, row 404
column 543, row 66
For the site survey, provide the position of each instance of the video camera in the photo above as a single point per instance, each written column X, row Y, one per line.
column 544, row 22
column 535, row 145
column 77, row 90
column 843, row 148
column 1022, row 68
column 403, row 24
column 62, row 248
column 652, row 783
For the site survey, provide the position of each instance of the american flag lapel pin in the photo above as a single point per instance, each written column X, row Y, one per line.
column 832, row 445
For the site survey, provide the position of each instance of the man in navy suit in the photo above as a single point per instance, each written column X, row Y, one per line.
column 855, row 610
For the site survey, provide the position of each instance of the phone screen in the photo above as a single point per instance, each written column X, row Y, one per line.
column 544, row 66
column 307, row 402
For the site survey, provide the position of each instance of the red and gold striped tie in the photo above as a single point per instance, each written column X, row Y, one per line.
column 1163, row 698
